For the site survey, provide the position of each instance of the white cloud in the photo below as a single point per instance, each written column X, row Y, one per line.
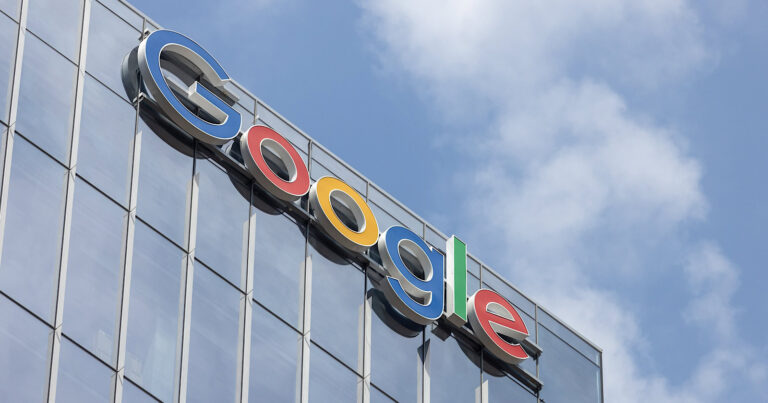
column 713, row 280
column 565, row 167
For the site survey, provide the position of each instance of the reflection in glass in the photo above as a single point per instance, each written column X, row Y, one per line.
column 395, row 350
column 24, row 343
column 33, row 227
column 8, row 30
column 522, row 303
column 94, row 271
column 338, row 292
column 554, row 325
column 473, row 284
column 165, row 175
column 383, row 218
column 58, row 23
column 153, row 315
column 568, row 375
column 119, row 8
column 214, row 340
column 502, row 389
column 279, row 125
column 378, row 397
column 81, row 377
column 329, row 381
column 47, row 96
column 132, row 394
column 110, row 39
column 106, row 140
column 453, row 370
column 279, row 265
column 10, row 7
column 275, row 358
column 222, row 222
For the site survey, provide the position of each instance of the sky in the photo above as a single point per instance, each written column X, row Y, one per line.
column 605, row 156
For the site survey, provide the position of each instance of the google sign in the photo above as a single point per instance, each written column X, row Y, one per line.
column 437, row 289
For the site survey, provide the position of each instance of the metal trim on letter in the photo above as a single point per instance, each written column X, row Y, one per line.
column 149, row 54
column 491, row 315
column 251, row 149
column 320, row 198
column 402, row 287
column 456, row 281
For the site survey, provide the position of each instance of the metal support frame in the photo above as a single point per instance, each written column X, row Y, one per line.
column 302, row 393
column 12, row 114
column 69, row 198
column 187, row 283
column 127, row 266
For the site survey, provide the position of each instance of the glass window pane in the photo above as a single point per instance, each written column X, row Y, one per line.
column 124, row 12
column 214, row 341
column 275, row 359
column 8, row 31
column 279, row 125
column 378, row 396
column 247, row 117
column 435, row 239
column 279, row 265
column 106, row 140
column 110, row 39
column 165, row 174
column 58, row 23
column 10, row 7
column 502, row 389
column 567, row 375
column 94, row 272
column 396, row 210
column 34, row 217
column 395, row 350
column 47, row 98
column 24, row 343
column 132, row 394
column 339, row 169
column 383, row 219
column 569, row 336
column 329, row 381
column 222, row 221
column 453, row 370
column 338, row 295
column 512, row 295
column 81, row 377
column 473, row 284
column 153, row 315
column 473, row 266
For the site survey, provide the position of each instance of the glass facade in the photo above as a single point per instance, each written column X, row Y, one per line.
column 139, row 265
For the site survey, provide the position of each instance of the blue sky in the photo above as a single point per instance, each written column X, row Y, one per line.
column 605, row 156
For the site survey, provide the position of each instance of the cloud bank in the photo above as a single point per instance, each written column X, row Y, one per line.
column 580, row 177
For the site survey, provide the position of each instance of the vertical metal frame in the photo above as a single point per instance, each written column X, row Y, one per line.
column 423, row 359
column 364, row 344
column 127, row 266
column 302, row 392
column 187, row 282
column 602, row 385
column 246, row 306
column 12, row 114
column 69, row 198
